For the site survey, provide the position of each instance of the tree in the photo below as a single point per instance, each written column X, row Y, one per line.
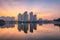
column 57, row 19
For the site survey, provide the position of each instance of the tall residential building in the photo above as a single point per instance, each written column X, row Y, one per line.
column 19, row 17
column 34, row 18
column 22, row 17
column 31, row 16
column 25, row 16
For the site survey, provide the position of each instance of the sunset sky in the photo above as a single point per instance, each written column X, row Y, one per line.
column 46, row 9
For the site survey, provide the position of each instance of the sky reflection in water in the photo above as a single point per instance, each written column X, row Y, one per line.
column 29, row 31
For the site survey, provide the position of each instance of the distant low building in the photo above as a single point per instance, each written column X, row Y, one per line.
column 7, row 18
column 40, row 19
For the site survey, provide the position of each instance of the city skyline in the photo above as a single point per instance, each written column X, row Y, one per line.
column 45, row 9
column 21, row 17
column 24, row 17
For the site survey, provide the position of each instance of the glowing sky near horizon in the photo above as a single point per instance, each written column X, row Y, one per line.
column 46, row 9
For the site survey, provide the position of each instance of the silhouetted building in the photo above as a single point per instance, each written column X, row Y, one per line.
column 23, row 27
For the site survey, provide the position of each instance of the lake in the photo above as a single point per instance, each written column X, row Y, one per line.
column 30, row 31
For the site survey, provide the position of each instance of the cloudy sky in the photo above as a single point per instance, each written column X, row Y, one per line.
column 46, row 9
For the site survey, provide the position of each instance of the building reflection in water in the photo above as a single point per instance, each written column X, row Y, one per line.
column 24, row 27
column 7, row 26
column 33, row 26
column 40, row 24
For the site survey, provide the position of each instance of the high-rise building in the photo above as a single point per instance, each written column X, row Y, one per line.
column 34, row 18
column 31, row 16
column 22, row 17
column 25, row 16
column 19, row 17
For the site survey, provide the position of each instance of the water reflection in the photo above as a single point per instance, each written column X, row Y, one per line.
column 57, row 25
column 7, row 26
column 33, row 27
column 2, row 24
column 24, row 26
column 30, row 31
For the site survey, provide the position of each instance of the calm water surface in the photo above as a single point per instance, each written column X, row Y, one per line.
column 31, row 31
